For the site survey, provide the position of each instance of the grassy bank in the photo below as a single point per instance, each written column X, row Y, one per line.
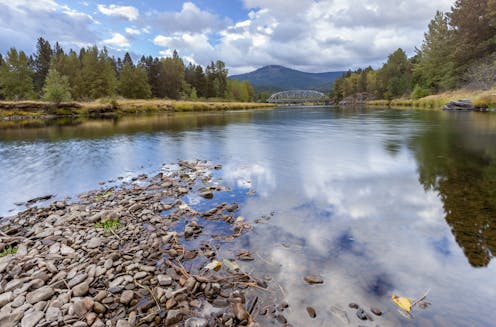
column 38, row 109
column 482, row 99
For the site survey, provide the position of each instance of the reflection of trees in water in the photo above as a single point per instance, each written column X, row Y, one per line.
column 462, row 168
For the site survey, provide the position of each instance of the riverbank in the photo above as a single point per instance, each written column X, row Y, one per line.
column 481, row 99
column 108, row 107
column 130, row 252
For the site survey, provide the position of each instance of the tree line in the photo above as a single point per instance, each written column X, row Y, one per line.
column 459, row 50
column 56, row 75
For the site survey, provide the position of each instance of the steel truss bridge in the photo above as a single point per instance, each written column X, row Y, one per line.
column 299, row 97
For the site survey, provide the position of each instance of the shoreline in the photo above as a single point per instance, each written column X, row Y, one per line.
column 25, row 110
column 113, row 255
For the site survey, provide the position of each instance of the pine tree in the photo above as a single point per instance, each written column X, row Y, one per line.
column 133, row 82
column 16, row 76
column 57, row 87
column 434, row 69
column 474, row 33
column 42, row 60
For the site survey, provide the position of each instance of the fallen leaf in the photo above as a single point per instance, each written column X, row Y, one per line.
column 402, row 302
column 214, row 265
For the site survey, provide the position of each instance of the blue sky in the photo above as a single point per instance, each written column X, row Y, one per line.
column 311, row 35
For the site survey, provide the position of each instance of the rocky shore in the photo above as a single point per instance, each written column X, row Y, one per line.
column 113, row 258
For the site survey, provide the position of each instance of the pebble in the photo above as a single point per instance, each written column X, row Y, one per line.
column 313, row 280
column 5, row 298
column 80, row 289
column 94, row 243
column 66, row 250
column 376, row 311
column 52, row 314
column 41, row 294
column 196, row 322
column 311, row 312
column 361, row 314
column 32, row 318
column 164, row 280
column 353, row 305
column 126, row 297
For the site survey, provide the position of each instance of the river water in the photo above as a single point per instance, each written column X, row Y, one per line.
column 375, row 202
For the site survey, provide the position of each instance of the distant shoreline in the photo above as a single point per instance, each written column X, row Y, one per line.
column 20, row 110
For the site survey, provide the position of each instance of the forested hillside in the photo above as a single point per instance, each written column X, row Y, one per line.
column 56, row 75
column 459, row 50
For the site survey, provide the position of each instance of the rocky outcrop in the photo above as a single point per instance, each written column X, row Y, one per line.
column 357, row 99
column 462, row 105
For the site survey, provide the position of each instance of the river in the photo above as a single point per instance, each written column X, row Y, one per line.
column 375, row 202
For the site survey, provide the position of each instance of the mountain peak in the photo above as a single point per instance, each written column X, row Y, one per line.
column 280, row 78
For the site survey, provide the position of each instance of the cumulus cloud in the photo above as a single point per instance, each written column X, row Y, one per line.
column 117, row 40
column 22, row 21
column 127, row 12
column 312, row 35
column 190, row 19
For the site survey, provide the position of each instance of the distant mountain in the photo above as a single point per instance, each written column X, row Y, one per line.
column 279, row 78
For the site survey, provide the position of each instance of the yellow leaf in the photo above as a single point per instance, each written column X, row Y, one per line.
column 402, row 302
column 214, row 265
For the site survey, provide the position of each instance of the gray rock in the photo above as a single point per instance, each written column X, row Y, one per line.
column 79, row 308
column 164, row 280
column 5, row 298
column 78, row 279
column 123, row 323
column 196, row 322
column 18, row 301
column 66, row 250
column 140, row 275
column 30, row 319
column 41, row 294
column 52, row 314
column 11, row 320
column 126, row 297
column 81, row 289
column 94, row 243
column 13, row 284
column 173, row 317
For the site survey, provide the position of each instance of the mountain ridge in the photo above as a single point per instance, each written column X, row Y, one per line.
column 279, row 78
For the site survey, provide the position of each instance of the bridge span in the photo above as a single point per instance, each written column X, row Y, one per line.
column 299, row 97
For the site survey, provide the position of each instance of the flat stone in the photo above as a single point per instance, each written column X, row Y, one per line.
column 13, row 284
column 313, row 280
column 66, row 250
column 54, row 248
column 123, row 323
column 5, row 298
column 81, row 289
column 195, row 322
column 173, row 317
column 78, row 279
column 30, row 319
column 99, row 308
column 164, row 280
column 94, row 243
column 140, row 275
column 11, row 320
column 52, row 314
column 18, row 301
column 80, row 308
column 126, row 297
column 41, row 294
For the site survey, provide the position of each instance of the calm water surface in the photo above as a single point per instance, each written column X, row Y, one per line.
column 375, row 202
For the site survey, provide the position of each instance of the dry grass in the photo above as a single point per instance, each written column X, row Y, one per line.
column 119, row 107
column 483, row 99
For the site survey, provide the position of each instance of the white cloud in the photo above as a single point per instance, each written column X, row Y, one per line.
column 127, row 12
column 133, row 31
column 22, row 22
column 190, row 19
column 117, row 40
column 193, row 47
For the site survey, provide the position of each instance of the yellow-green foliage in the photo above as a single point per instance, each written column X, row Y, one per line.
column 483, row 99
column 8, row 250
column 109, row 225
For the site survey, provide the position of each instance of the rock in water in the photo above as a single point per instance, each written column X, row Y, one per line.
column 376, row 311
column 313, row 280
column 311, row 312
column 361, row 314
